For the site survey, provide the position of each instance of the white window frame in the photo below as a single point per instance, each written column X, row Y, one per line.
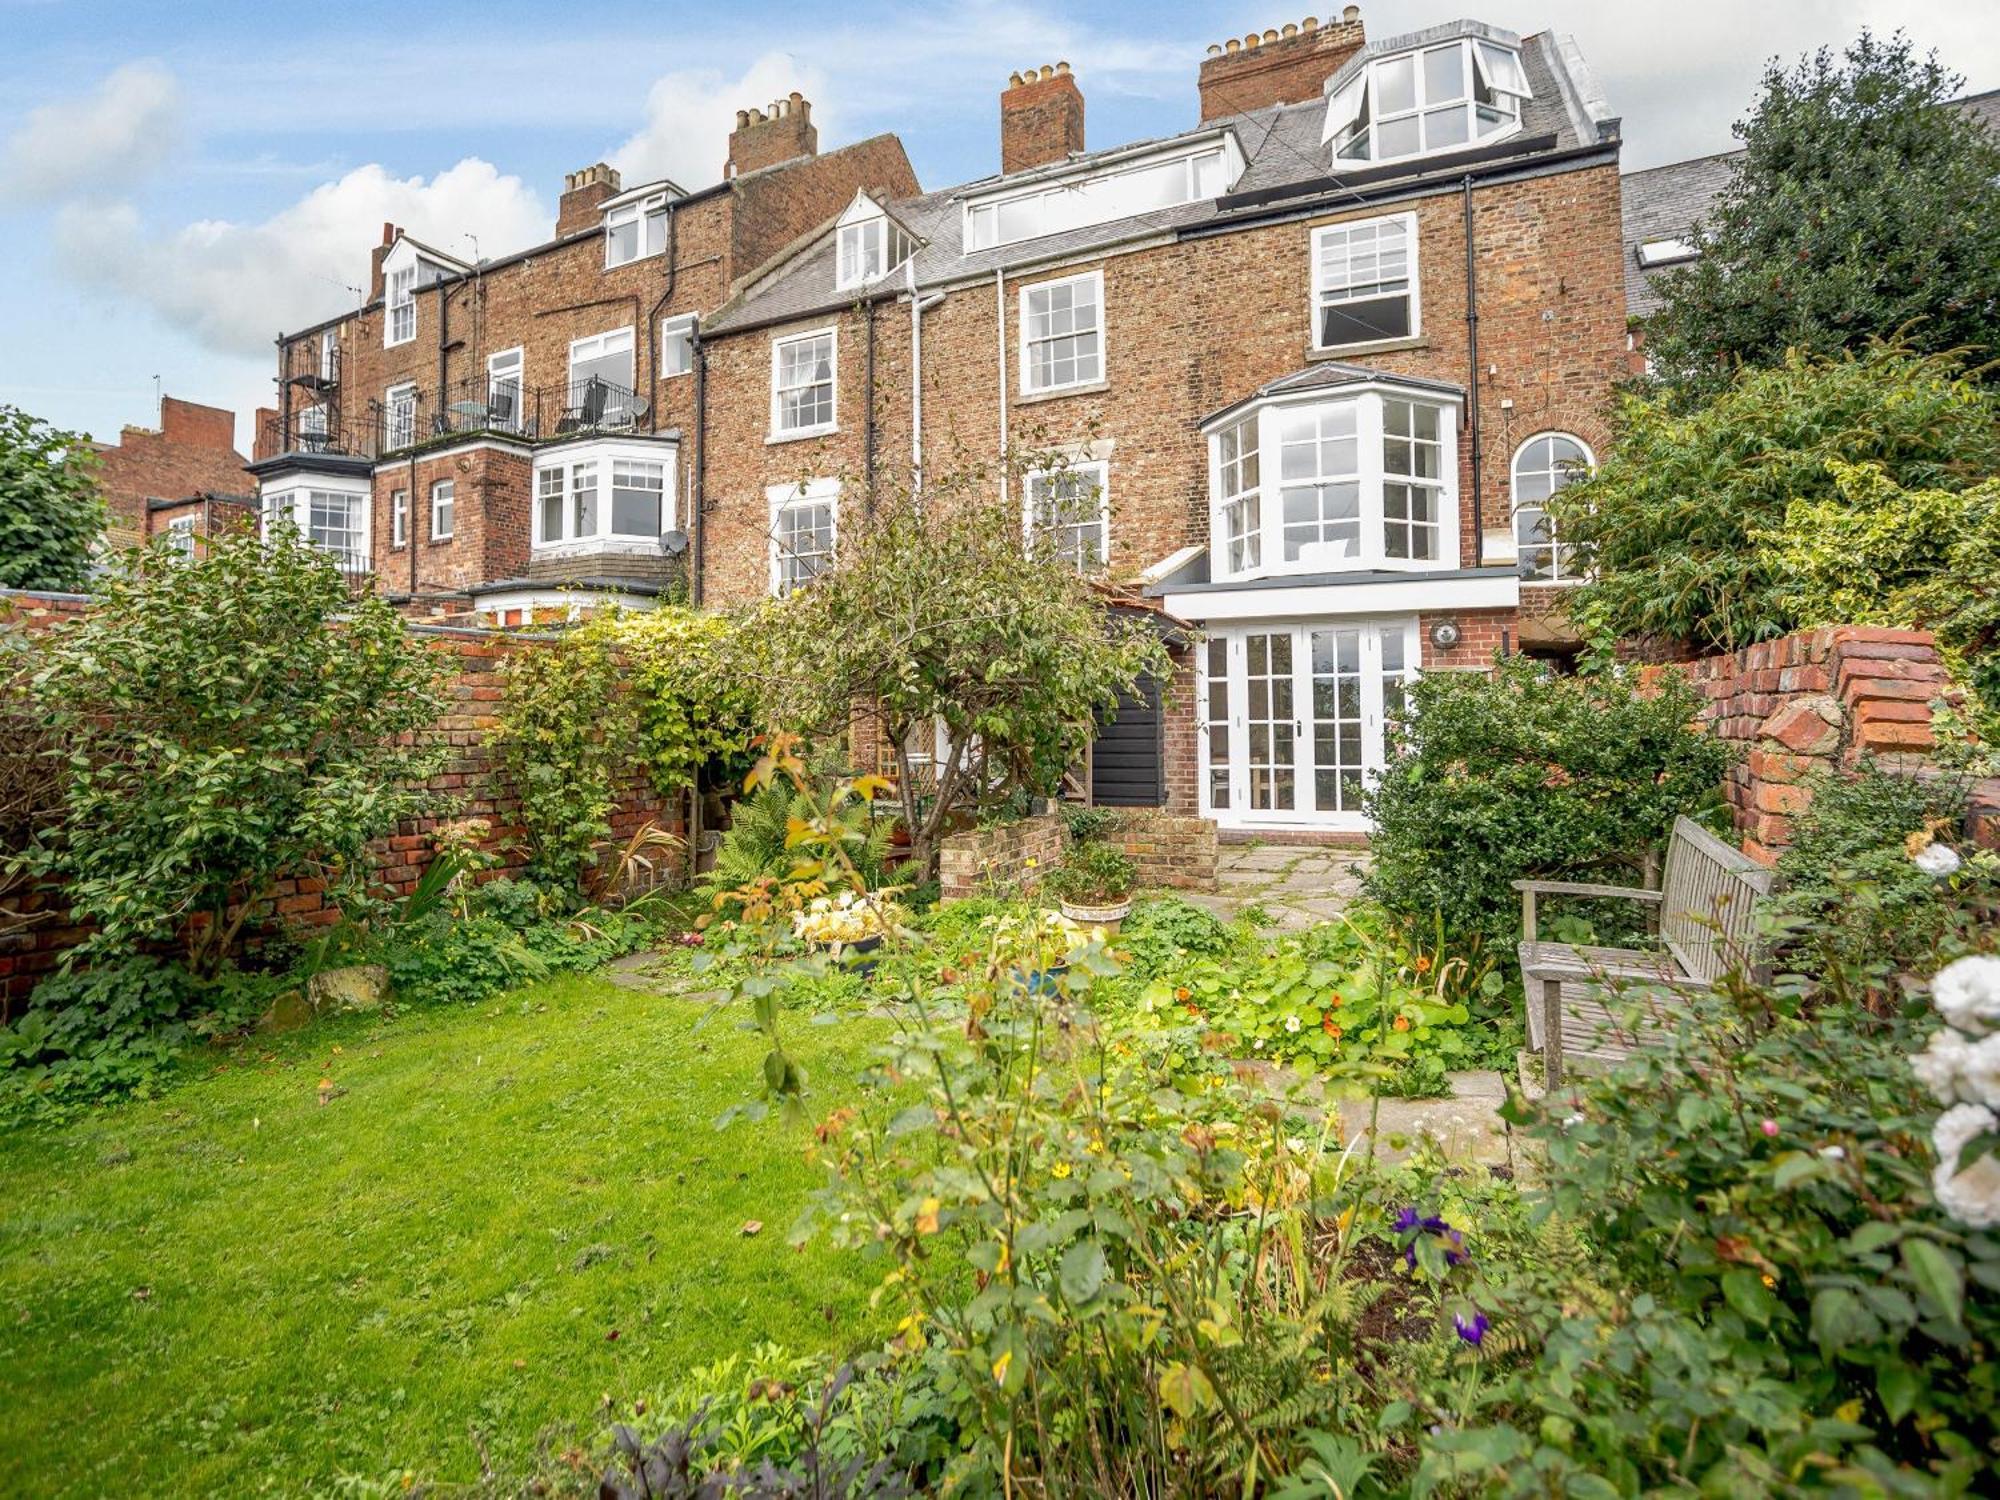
column 783, row 497
column 601, row 457
column 1324, row 295
column 444, row 506
column 1232, row 716
column 402, row 392
column 1370, row 476
column 329, row 355
column 1482, row 60
column 597, row 345
column 1102, row 194
column 1028, row 344
column 1559, row 575
column 1100, row 471
column 399, row 316
column 641, row 215
column 498, row 365
column 1238, row 510
column 399, row 519
column 780, row 433
column 180, row 536
column 672, row 332
column 293, row 500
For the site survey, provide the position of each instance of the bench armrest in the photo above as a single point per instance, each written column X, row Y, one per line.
column 1530, row 889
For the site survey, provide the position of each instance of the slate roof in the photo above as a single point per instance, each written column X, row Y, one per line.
column 1330, row 374
column 1281, row 144
column 1666, row 202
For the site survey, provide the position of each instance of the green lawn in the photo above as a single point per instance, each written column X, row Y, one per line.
column 501, row 1215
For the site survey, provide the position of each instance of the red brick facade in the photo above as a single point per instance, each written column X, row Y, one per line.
column 189, row 458
column 1041, row 118
column 1285, row 65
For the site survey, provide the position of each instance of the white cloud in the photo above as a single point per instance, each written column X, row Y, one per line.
column 690, row 113
column 234, row 286
column 109, row 138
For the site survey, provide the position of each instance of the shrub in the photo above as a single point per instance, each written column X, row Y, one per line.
column 1529, row 775
column 1092, row 873
column 1169, row 930
column 51, row 510
column 225, row 723
column 1670, row 519
column 757, row 846
column 1857, row 835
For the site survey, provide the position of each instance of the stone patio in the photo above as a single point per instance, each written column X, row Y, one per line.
column 1293, row 885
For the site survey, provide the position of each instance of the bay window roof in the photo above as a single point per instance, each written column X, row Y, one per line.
column 1447, row 88
column 1329, row 375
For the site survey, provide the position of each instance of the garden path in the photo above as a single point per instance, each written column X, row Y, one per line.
column 1295, row 885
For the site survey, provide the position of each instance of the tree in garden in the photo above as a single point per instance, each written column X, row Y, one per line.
column 225, row 723
column 938, row 622
column 1861, row 204
column 1671, row 522
column 1528, row 775
column 50, row 509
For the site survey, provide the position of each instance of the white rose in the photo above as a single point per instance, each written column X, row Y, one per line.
column 1972, row 1196
column 1941, row 1064
column 1966, row 992
column 1939, row 860
column 1979, row 1072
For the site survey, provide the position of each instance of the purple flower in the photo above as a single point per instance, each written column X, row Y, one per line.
column 1473, row 1329
column 1410, row 1222
column 1407, row 1220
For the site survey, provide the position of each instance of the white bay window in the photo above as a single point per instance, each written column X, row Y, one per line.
column 603, row 496
column 327, row 513
column 1364, row 478
column 1427, row 100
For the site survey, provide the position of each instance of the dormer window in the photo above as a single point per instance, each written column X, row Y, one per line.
column 1653, row 254
column 1427, row 100
column 635, row 231
column 1121, row 188
column 402, row 297
column 871, row 245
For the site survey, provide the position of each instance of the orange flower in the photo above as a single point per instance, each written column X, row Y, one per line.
column 1402, row 1023
column 1423, row 963
column 1181, row 993
column 1332, row 1030
column 1195, row 1011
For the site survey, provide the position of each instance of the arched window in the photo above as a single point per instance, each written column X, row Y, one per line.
column 1544, row 464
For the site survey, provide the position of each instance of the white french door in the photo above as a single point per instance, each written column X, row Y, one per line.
column 1293, row 716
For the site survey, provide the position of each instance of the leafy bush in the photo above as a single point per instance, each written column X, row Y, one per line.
column 1527, row 775
column 1168, row 930
column 1857, row 834
column 1669, row 520
column 756, row 845
column 696, row 706
column 1092, row 873
column 225, row 723
column 51, row 509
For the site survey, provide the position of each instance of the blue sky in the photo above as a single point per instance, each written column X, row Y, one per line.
column 178, row 182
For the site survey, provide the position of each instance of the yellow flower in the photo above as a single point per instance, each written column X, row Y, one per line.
column 1000, row 1367
column 1031, row 862
column 1059, row 1171
column 927, row 1216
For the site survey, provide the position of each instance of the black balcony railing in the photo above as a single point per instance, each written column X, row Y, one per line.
column 503, row 406
column 310, row 431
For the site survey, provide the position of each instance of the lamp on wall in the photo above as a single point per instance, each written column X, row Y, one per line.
column 1445, row 634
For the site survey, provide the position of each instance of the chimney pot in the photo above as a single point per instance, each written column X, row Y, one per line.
column 1014, row 79
column 764, row 137
column 1041, row 117
column 1288, row 65
column 1214, row 49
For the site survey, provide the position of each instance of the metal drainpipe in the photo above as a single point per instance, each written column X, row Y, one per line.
column 868, row 414
column 916, row 375
column 1472, row 372
column 1000, row 333
column 653, row 318
column 697, row 523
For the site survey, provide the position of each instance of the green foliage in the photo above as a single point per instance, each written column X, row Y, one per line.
column 51, row 511
column 225, row 723
column 1876, row 553
column 937, row 616
column 564, row 735
column 1348, row 997
column 1083, row 825
column 1525, row 775
column 1862, row 204
column 1168, row 930
column 1774, row 1304
column 695, row 704
column 1671, row 518
column 1856, row 835
column 756, row 845
column 1092, row 873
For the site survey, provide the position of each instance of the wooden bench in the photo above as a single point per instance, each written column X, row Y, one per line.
column 1706, row 918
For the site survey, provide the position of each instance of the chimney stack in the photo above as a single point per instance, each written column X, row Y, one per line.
column 1041, row 117
column 389, row 233
column 1287, row 65
column 765, row 137
column 583, row 197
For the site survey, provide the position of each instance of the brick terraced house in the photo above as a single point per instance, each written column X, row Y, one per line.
column 182, row 480
column 503, row 437
column 1305, row 371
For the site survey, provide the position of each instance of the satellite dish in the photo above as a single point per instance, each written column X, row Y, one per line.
column 673, row 543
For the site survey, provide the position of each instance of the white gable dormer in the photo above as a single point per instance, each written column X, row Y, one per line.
column 407, row 266
column 872, row 244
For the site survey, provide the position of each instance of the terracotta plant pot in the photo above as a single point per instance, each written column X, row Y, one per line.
column 1107, row 916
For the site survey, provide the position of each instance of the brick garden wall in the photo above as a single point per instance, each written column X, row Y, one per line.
column 1171, row 849
column 1820, row 700
column 1003, row 861
column 471, row 778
